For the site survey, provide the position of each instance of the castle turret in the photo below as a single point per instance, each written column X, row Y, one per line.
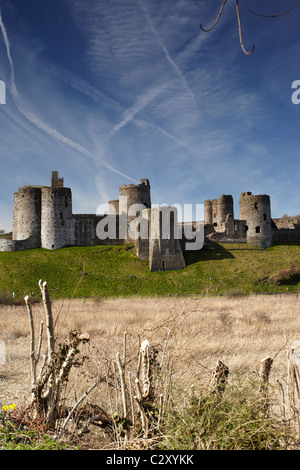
column 256, row 211
column 133, row 199
column 225, row 208
column 57, row 228
column 27, row 216
column 208, row 218
column 217, row 210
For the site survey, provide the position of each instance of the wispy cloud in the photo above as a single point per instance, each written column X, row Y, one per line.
column 31, row 117
column 142, row 101
column 134, row 90
column 169, row 59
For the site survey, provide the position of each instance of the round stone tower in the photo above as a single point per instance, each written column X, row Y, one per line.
column 27, row 215
column 256, row 211
column 225, row 208
column 131, row 196
column 208, row 218
column 56, row 221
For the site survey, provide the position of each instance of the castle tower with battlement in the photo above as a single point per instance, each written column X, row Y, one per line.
column 133, row 199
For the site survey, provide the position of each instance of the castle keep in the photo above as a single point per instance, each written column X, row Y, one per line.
column 43, row 218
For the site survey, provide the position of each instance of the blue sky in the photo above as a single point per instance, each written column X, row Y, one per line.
column 111, row 91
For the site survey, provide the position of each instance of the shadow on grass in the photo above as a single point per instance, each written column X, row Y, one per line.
column 211, row 251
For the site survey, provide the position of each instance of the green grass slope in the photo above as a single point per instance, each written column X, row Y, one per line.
column 115, row 271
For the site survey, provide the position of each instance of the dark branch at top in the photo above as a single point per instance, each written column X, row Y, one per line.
column 239, row 23
column 218, row 17
column 279, row 14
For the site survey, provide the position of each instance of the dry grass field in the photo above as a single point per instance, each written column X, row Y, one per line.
column 190, row 334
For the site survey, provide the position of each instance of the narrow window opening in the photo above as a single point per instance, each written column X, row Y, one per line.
column 265, row 216
column 256, row 206
column 257, row 229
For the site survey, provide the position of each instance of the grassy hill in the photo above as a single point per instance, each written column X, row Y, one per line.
column 115, row 271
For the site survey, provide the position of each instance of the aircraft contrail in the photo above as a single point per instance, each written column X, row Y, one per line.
column 166, row 52
column 38, row 122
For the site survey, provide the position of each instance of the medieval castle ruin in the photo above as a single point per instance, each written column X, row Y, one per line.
column 43, row 218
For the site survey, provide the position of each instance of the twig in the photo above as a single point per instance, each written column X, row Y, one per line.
column 122, row 379
column 145, row 364
column 32, row 352
column 218, row 17
column 279, row 14
column 75, row 408
column 131, row 399
column 240, row 30
column 49, row 318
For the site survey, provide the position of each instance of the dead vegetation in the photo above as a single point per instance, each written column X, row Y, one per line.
column 168, row 341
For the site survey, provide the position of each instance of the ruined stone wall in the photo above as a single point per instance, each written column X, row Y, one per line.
column 287, row 222
column 85, row 230
column 286, row 235
column 16, row 245
column 85, row 227
column 164, row 245
column 256, row 211
column 142, row 241
column 27, row 215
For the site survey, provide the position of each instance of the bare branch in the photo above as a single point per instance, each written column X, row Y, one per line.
column 218, row 17
column 75, row 408
column 49, row 318
column 240, row 30
column 32, row 352
column 40, row 341
column 279, row 14
column 121, row 368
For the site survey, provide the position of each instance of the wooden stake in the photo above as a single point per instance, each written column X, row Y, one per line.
column 265, row 368
column 219, row 377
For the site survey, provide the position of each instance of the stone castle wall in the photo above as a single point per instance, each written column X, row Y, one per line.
column 43, row 218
